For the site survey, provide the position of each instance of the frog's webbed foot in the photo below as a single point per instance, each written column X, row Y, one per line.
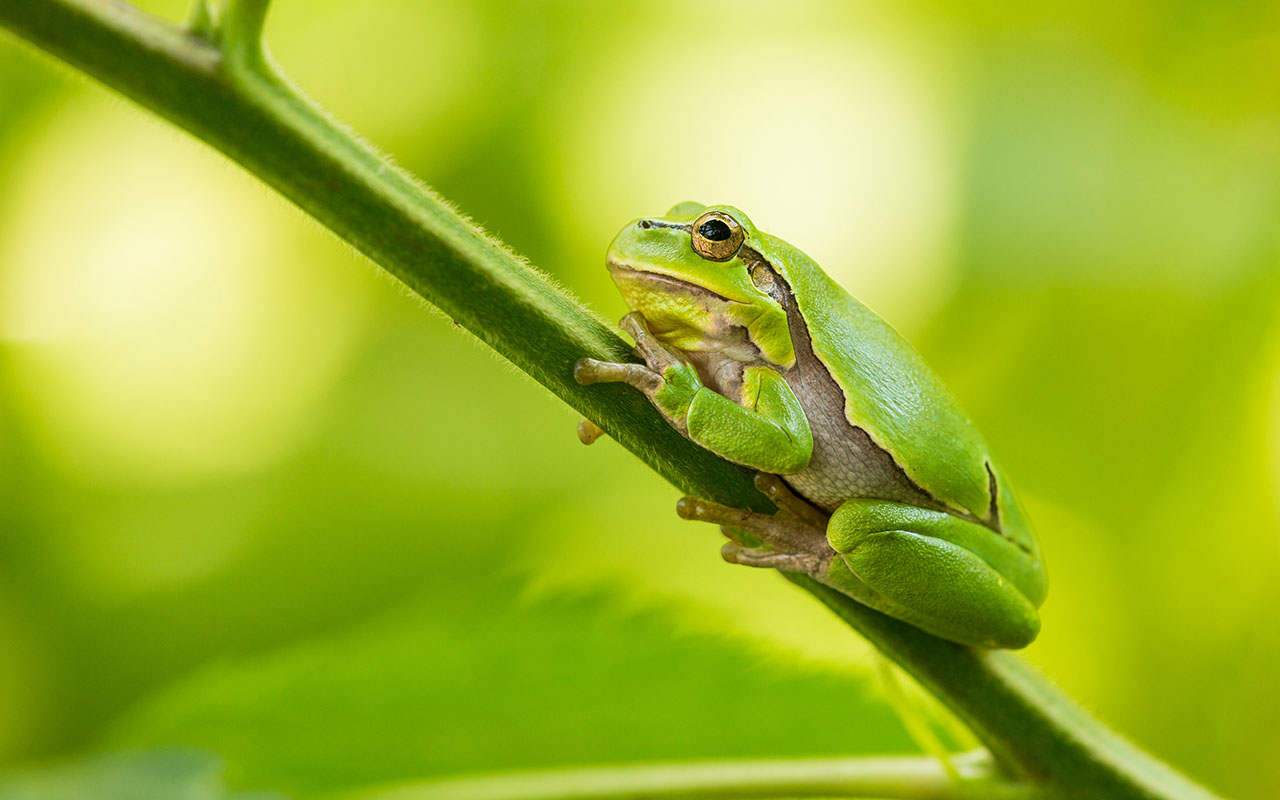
column 792, row 544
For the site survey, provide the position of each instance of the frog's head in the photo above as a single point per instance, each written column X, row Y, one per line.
column 690, row 273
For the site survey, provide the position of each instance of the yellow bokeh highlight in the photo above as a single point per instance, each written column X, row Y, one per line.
column 844, row 148
column 162, row 324
column 401, row 72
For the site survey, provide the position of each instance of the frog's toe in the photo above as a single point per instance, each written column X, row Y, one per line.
column 808, row 563
column 637, row 328
column 656, row 354
column 634, row 324
column 588, row 371
column 588, row 431
column 776, row 489
column 781, row 533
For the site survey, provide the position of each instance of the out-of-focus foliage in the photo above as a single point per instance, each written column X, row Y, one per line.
column 254, row 499
column 552, row 683
column 167, row 773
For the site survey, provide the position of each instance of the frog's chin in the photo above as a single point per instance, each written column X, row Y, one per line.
column 629, row 278
column 681, row 314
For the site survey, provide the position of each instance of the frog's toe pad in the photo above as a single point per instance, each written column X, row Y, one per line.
column 588, row 431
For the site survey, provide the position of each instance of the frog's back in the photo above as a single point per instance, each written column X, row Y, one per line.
column 889, row 392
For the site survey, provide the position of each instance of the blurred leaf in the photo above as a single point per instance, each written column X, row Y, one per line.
column 164, row 774
column 450, row 686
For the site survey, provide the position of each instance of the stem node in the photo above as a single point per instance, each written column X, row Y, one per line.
column 241, row 37
column 202, row 20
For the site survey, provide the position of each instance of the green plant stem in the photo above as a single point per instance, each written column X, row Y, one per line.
column 904, row 778
column 220, row 87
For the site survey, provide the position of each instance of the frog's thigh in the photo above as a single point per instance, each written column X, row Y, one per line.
column 910, row 559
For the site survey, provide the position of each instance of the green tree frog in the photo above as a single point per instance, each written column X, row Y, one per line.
column 886, row 491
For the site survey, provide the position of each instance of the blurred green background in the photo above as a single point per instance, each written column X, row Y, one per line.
column 257, row 500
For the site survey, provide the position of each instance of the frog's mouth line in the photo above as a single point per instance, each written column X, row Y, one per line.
column 630, row 272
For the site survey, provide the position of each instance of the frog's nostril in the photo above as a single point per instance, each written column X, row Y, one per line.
column 646, row 224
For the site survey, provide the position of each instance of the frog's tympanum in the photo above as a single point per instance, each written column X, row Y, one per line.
column 886, row 491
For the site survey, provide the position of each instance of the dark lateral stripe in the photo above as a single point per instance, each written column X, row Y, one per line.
column 662, row 223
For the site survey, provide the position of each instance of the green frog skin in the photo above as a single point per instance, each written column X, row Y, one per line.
column 886, row 491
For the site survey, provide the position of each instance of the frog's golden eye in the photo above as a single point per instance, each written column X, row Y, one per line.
column 717, row 236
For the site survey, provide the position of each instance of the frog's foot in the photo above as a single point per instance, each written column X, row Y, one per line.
column 782, row 533
column 737, row 537
column 646, row 377
column 807, row 563
column 655, row 354
column 589, row 370
column 774, row 488
column 588, row 431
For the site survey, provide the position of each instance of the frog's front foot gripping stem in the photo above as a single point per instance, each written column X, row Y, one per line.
column 589, row 371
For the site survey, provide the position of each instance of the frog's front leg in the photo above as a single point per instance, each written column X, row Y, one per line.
column 666, row 377
column 765, row 428
column 954, row 578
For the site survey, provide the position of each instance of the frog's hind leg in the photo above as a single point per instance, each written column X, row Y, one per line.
column 949, row 576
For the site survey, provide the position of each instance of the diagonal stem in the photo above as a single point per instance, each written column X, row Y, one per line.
column 232, row 99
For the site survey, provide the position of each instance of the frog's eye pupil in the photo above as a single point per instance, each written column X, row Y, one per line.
column 715, row 230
